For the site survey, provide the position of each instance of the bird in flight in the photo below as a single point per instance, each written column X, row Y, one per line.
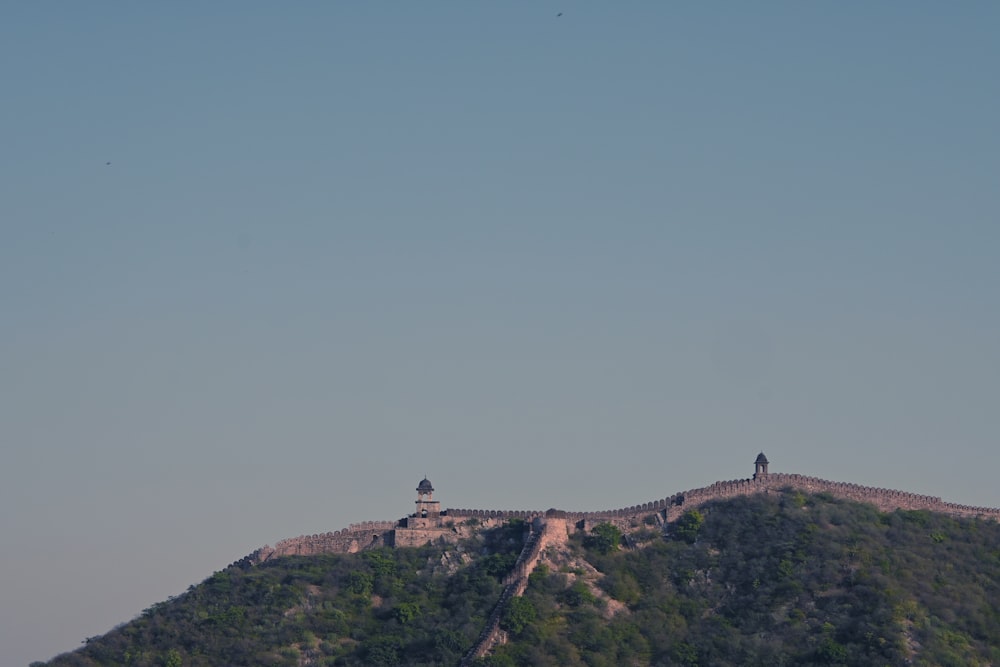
column 559, row 14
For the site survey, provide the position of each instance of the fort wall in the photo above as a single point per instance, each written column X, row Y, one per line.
column 356, row 537
column 553, row 526
column 370, row 534
column 462, row 514
column 422, row 536
column 885, row 500
column 546, row 530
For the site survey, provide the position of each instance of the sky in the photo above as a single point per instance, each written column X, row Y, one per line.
column 265, row 266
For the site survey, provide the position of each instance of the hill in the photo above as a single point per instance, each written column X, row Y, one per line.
column 780, row 578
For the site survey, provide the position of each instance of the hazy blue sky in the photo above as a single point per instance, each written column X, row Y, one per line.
column 581, row 261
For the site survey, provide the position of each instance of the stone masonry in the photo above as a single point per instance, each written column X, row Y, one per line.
column 429, row 524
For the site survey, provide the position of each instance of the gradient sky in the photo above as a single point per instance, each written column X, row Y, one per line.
column 580, row 262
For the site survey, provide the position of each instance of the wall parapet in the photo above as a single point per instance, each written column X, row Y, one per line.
column 885, row 500
column 358, row 536
column 491, row 514
column 355, row 537
column 516, row 582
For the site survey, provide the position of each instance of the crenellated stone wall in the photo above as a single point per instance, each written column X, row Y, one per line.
column 461, row 514
column 370, row 534
column 546, row 529
column 356, row 537
column 553, row 527
column 886, row 500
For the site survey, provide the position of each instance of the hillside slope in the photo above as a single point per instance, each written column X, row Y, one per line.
column 776, row 579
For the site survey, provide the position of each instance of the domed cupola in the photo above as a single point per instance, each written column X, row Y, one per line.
column 427, row 507
column 760, row 466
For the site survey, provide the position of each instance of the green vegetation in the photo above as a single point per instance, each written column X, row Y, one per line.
column 688, row 525
column 783, row 579
column 382, row 607
column 604, row 538
column 788, row 580
column 518, row 615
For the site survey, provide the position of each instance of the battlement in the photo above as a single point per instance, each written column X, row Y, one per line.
column 885, row 500
column 356, row 537
column 424, row 527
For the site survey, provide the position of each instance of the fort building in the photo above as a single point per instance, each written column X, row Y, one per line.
column 427, row 525
column 428, row 512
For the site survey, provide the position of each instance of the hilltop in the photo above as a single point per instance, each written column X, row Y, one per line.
column 759, row 571
column 429, row 524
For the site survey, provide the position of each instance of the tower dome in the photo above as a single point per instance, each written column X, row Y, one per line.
column 427, row 507
column 760, row 466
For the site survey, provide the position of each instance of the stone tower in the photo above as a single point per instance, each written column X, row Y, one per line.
column 760, row 466
column 427, row 507
column 428, row 525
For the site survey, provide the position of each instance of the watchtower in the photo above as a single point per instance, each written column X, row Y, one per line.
column 760, row 466
column 427, row 507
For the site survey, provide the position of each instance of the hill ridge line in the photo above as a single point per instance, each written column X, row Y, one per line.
column 369, row 534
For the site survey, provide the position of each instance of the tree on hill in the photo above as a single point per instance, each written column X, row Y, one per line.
column 777, row 579
column 604, row 538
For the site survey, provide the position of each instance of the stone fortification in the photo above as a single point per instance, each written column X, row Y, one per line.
column 417, row 530
column 885, row 500
column 464, row 514
column 418, row 537
column 430, row 525
column 356, row 537
column 546, row 530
